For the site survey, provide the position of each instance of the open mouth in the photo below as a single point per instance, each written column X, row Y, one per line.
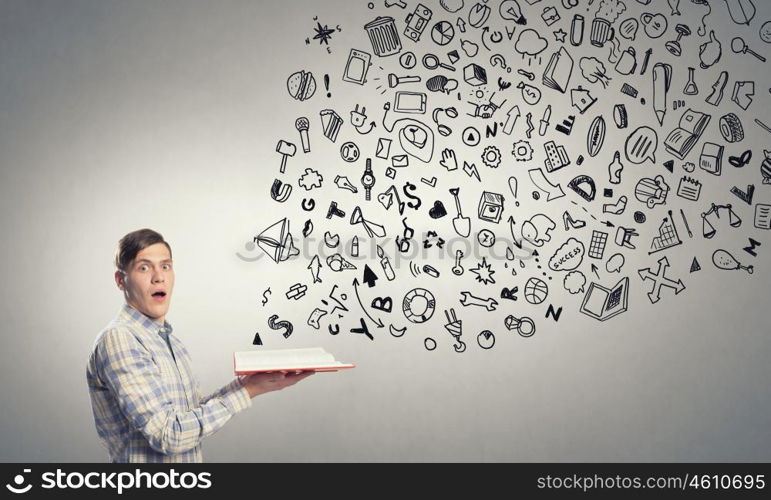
column 159, row 296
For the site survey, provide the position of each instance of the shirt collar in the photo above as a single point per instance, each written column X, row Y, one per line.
column 152, row 326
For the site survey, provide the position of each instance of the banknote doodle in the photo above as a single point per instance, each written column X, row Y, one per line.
column 452, row 103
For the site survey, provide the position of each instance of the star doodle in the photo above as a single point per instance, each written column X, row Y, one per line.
column 323, row 33
column 559, row 35
column 484, row 272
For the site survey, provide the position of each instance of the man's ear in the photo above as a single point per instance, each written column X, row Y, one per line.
column 120, row 280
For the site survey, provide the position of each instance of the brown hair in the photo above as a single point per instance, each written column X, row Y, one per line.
column 133, row 243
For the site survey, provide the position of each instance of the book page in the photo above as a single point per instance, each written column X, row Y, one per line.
column 677, row 139
column 595, row 302
column 691, row 121
column 286, row 358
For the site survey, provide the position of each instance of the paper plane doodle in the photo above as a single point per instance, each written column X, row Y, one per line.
column 277, row 242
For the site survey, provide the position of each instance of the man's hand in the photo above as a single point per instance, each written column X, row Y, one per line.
column 260, row 383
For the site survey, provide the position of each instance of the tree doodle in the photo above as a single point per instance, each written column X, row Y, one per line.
column 528, row 75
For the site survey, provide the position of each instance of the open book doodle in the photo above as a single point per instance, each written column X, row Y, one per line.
column 681, row 140
column 311, row 358
column 603, row 303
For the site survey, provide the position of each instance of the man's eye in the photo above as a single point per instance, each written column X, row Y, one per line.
column 167, row 266
column 143, row 268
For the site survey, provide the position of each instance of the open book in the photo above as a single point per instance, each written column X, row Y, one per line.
column 558, row 71
column 603, row 303
column 312, row 358
column 681, row 140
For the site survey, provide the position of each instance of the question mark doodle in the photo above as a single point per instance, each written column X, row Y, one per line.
column 265, row 297
column 278, row 325
column 497, row 58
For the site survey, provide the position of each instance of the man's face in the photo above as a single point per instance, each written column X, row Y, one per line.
column 148, row 281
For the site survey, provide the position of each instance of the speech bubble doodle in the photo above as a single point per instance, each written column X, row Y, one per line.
column 641, row 145
column 574, row 282
column 567, row 257
column 615, row 263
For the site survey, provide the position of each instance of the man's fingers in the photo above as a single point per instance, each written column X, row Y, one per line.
column 296, row 377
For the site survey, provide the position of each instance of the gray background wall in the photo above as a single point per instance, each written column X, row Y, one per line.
column 121, row 115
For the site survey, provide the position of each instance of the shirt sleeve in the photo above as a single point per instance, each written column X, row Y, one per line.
column 128, row 369
column 234, row 389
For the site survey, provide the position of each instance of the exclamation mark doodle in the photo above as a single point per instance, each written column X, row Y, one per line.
column 326, row 85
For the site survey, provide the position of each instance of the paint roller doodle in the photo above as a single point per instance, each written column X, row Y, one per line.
column 497, row 58
column 280, row 325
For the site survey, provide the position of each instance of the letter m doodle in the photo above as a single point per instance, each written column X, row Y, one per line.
column 751, row 249
column 554, row 314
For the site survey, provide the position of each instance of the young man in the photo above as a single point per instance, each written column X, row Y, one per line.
column 147, row 403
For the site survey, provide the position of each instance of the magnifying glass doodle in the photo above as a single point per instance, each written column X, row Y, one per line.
column 739, row 46
column 430, row 61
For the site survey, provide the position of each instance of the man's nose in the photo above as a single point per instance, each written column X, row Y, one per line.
column 158, row 276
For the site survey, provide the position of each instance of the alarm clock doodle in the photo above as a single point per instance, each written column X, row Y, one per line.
column 487, row 86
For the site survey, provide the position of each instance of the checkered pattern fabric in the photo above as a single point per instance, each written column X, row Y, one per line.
column 147, row 403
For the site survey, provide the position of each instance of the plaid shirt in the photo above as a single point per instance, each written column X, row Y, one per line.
column 147, row 403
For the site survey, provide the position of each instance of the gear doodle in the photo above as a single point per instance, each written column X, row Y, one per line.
column 491, row 156
column 310, row 179
column 522, row 151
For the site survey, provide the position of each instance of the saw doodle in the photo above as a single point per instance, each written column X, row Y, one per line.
column 455, row 101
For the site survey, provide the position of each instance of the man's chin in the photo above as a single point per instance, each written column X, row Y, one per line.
column 159, row 310
column 154, row 310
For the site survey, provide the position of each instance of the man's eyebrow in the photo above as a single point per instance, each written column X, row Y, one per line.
column 150, row 262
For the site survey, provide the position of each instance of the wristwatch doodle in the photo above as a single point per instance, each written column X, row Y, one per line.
column 368, row 180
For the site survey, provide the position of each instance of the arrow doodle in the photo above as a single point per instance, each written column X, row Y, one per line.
column 378, row 322
column 659, row 279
